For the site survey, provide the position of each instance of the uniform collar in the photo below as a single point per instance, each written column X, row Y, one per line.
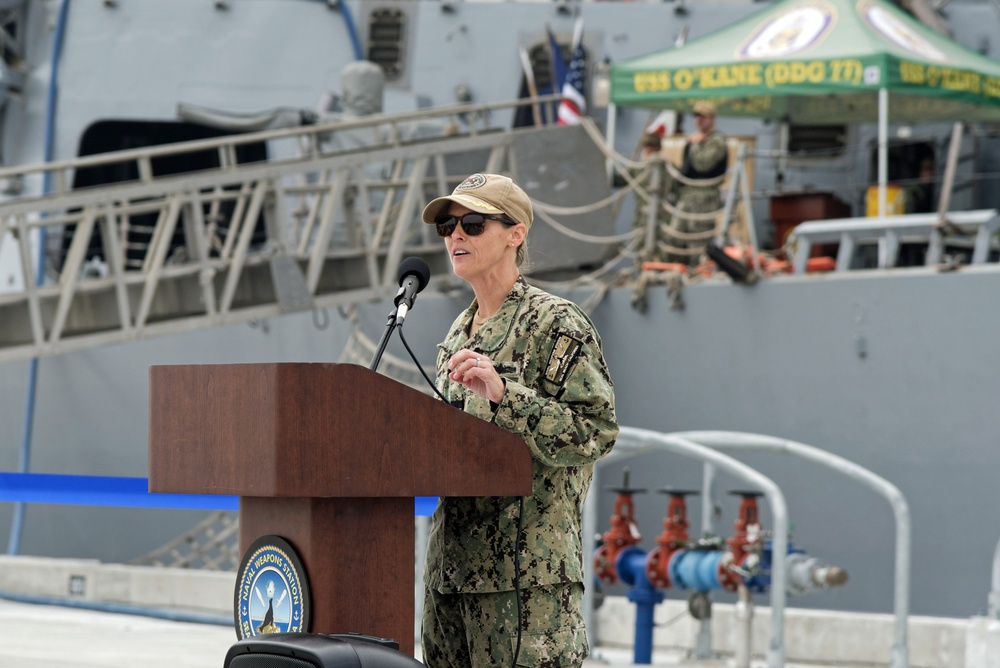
column 497, row 328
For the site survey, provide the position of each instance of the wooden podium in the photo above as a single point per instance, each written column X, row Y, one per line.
column 329, row 457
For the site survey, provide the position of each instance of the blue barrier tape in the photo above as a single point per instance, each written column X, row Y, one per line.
column 102, row 491
column 424, row 505
column 88, row 490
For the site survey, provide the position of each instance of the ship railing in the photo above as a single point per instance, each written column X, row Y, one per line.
column 167, row 253
column 976, row 228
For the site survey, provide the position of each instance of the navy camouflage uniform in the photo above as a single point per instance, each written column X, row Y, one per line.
column 560, row 399
column 704, row 160
column 662, row 193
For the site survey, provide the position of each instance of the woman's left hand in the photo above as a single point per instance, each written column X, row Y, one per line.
column 475, row 371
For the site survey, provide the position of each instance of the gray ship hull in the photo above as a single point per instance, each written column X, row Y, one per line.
column 892, row 370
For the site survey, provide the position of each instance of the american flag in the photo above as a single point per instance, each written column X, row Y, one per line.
column 664, row 124
column 574, row 103
column 557, row 61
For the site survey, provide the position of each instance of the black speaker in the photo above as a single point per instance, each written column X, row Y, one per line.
column 314, row 650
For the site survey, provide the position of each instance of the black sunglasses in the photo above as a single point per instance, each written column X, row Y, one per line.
column 473, row 223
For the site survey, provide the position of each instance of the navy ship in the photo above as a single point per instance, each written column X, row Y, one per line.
column 222, row 182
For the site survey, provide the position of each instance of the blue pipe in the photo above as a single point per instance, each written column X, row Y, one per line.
column 695, row 569
column 761, row 581
column 631, row 566
column 14, row 542
column 688, row 569
column 17, row 522
column 352, row 31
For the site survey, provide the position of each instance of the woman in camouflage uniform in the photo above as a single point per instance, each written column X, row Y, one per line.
column 531, row 363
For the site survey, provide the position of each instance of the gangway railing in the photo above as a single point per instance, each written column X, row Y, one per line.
column 390, row 130
column 316, row 225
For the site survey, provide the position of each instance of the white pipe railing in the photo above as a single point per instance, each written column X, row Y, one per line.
column 632, row 441
column 694, row 443
column 890, row 231
column 725, row 440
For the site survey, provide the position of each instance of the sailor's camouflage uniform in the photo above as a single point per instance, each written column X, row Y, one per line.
column 659, row 187
column 559, row 398
column 705, row 160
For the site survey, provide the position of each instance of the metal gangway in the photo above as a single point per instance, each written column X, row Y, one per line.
column 319, row 223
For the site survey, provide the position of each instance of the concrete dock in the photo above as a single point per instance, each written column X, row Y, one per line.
column 49, row 636
column 84, row 614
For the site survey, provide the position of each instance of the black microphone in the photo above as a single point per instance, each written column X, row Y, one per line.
column 413, row 276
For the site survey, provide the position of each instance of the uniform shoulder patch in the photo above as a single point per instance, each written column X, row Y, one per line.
column 564, row 352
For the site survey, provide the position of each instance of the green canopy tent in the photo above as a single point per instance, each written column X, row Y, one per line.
column 820, row 62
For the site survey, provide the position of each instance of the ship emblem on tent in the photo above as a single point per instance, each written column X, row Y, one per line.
column 791, row 31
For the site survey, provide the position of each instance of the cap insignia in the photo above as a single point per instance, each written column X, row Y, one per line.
column 474, row 181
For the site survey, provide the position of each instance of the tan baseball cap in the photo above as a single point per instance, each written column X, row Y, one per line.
column 704, row 107
column 485, row 193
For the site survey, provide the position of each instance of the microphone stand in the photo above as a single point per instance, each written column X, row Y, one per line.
column 416, row 270
column 389, row 326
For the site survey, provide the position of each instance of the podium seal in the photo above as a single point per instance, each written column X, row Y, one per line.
column 272, row 593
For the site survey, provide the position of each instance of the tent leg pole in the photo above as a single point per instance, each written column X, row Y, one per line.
column 609, row 134
column 883, row 148
column 948, row 185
